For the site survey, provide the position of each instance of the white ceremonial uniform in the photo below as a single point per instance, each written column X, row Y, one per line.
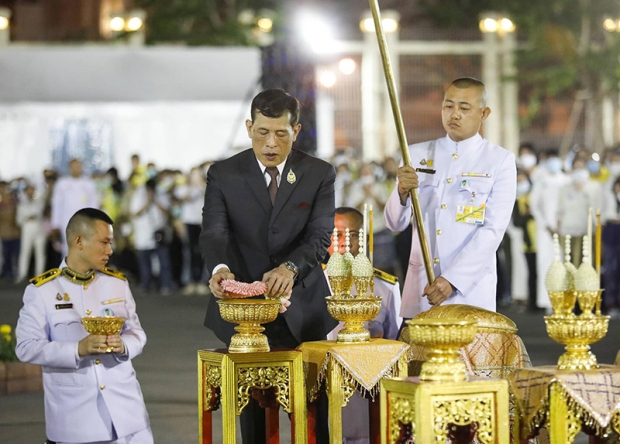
column 473, row 172
column 544, row 200
column 97, row 397
column 30, row 219
column 70, row 195
column 386, row 325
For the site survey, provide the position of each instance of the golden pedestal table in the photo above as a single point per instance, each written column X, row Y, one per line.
column 567, row 401
column 343, row 368
column 430, row 409
column 228, row 379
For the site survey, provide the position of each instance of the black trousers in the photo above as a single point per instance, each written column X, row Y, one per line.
column 253, row 430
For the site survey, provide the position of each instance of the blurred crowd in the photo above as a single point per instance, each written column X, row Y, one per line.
column 158, row 216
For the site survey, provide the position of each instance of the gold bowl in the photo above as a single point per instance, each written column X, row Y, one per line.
column 576, row 334
column 103, row 325
column 354, row 312
column 442, row 338
column 249, row 314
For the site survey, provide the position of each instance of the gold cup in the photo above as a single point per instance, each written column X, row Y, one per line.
column 341, row 286
column 103, row 325
column 249, row 314
column 442, row 338
column 576, row 334
column 362, row 285
column 354, row 312
column 563, row 302
column 587, row 300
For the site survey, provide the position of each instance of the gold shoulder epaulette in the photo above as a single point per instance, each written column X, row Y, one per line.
column 45, row 277
column 387, row 277
column 113, row 273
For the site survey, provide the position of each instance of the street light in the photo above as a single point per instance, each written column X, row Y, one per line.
column 611, row 25
column 129, row 22
column 5, row 16
column 389, row 21
column 502, row 125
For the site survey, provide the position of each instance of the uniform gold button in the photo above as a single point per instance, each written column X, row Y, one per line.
column 449, row 180
column 455, row 156
column 438, row 232
column 436, row 260
column 102, row 387
column 97, row 361
column 444, row 206
column 88, row 312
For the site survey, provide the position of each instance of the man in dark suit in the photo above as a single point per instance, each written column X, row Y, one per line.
column 268, row 216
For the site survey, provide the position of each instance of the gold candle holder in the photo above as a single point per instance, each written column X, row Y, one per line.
column 576, row 334
column 563, row 302
column 341, row 286
column 103, row 325
column 442, row 338
column 354, row 312
column 249, row 314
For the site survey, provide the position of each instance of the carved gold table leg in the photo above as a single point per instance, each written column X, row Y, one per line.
column 335, row 395
column 563, row 424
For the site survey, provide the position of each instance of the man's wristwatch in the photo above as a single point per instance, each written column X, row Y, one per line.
column 292, row 267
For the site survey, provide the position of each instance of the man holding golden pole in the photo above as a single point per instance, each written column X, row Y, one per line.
column 462, row 187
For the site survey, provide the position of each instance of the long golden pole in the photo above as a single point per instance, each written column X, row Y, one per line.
column 402, row 138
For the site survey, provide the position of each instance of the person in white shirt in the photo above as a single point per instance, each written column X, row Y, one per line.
column 30, row 218
column 466, row 206
column 574, row 200
column 71, row 193
column 544, row 200
column 191, row 196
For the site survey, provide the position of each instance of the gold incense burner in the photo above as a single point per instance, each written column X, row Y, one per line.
column 353, row 312
column 442, row 338
column 249, row 314
column 103, row 325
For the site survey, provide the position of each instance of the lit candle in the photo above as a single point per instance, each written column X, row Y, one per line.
column 590, row 229
column 597, row 257
column 365, row 221
column 370, row 237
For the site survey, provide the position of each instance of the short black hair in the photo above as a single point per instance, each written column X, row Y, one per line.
column 275, row 103
column 354, row 213
column 552, row 152
column 470, row 82
column 84, row 219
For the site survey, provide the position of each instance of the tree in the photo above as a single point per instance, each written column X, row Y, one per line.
column 567, row 51
column 202, row 22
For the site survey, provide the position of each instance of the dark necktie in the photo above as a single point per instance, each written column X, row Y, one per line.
column 273, row 185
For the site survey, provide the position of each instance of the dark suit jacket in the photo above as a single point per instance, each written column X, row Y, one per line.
column 241, row 229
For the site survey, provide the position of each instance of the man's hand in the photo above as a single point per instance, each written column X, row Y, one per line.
column 117, row 344
column 438, row 291
column 214, row 282
column 279, row 281
column 92, row 345
column 407, row 181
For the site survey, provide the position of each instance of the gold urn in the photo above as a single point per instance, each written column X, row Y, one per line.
column 576, row 333
column 249, row 314
column 353, row 312
column 442, row 338
column 103, row 325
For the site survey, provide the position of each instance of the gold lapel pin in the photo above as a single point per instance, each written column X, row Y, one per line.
column 290, row 177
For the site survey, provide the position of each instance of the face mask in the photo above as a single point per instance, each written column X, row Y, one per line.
column 151, row 173
column 527, row 161
column 580, row 175
column 523, row 187
column 594, row 167
column 554, row 165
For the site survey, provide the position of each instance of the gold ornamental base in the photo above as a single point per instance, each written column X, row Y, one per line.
column 353, row 312
column 577, row 333
column 249, row 314
column 442, row 338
